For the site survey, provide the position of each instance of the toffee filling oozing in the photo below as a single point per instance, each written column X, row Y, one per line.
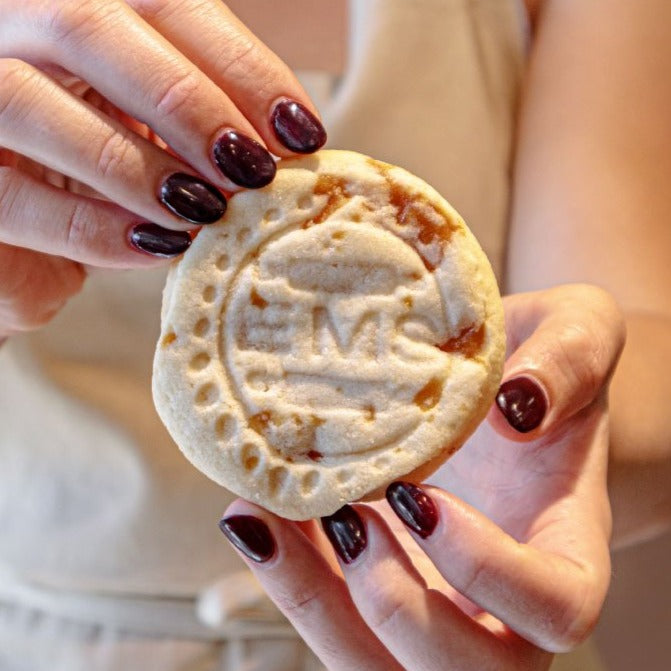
column 468, row 342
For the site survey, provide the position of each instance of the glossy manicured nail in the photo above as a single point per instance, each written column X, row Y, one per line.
column 414, row 506
column 158, row 241
column 192, row 199
column 347, row 533
column 250, row 535
column 243, row 160
column 523, row 403
column 297, row 128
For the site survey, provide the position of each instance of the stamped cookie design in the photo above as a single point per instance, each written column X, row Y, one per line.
column 337, row 330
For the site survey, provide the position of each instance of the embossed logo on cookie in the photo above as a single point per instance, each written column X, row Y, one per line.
column 329, row 337
column 338, row 329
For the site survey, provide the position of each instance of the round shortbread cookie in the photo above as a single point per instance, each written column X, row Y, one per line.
column 337, row 330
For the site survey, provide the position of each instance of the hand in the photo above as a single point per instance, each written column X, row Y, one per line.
column 509, row 561
column 152, row 105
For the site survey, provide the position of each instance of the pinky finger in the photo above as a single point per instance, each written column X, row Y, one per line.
column 304, row 586
column 33, row 288
column 43, row 218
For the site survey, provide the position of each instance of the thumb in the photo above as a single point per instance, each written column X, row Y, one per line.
column 563, row 345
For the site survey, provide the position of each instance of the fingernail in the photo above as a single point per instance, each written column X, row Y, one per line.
column 243, row 160
column 250, row 535
column 414, row 506
column 158, row 241
column 347, row 533
column 523, row 403
column 192, row 199
column 297, row 128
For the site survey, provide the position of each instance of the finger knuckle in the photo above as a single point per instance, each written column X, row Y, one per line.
column 589, row 294
column 149, row 9
column 577, row 357
column 601, row 321
column 153, row 10
column 576, row 621
column 111, row 154
column 178, row 92
column 474, row 573
column 385, row 608
column 12, row 73
column 8, row 189
column 17, row 312
column 80, row 233
column 238, row 60
column 247, row 59
column 12, row 197
column 70, row 21
column 31, row 310
column 70, row 276
column 32, row 316
column 606, row 310
column 303, row 603
column 20, row 309
column 18, row 317
column 63, row 18
column 568, row 637
column 16, row 79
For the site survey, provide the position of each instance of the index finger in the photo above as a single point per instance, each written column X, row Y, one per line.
column 152, row 80
column 263, row 88
column 304, row 586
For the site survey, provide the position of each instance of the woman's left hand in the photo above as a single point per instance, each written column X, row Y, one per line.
column 506, row 563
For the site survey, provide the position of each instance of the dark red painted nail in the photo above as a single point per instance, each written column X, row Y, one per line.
column 158, row 241
column 347, row 533
column 250, row 535
column 243, row 160
column 523, row 403
column 297, row 128
column 414, row 506
column 192, row 198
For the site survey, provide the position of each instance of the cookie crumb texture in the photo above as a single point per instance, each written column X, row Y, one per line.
column 337, row 330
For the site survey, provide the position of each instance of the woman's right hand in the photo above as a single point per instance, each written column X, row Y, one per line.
column 507, row 561
column 121, row 123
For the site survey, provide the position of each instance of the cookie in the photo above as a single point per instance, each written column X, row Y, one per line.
column 338, row 329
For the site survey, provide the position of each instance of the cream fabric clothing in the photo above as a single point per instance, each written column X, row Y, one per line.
column 32, row 640
column 93, row 493
column 108, row 534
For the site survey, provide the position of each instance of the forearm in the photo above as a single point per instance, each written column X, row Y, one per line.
column 591, row 204
column 640, row 465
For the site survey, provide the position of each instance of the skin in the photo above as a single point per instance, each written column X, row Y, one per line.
column 64, row 142
column 595, row 116
column 522, row 542
column 517, row 567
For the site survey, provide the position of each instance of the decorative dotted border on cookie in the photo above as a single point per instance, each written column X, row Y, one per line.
column 243, row 454
column 241, row 448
